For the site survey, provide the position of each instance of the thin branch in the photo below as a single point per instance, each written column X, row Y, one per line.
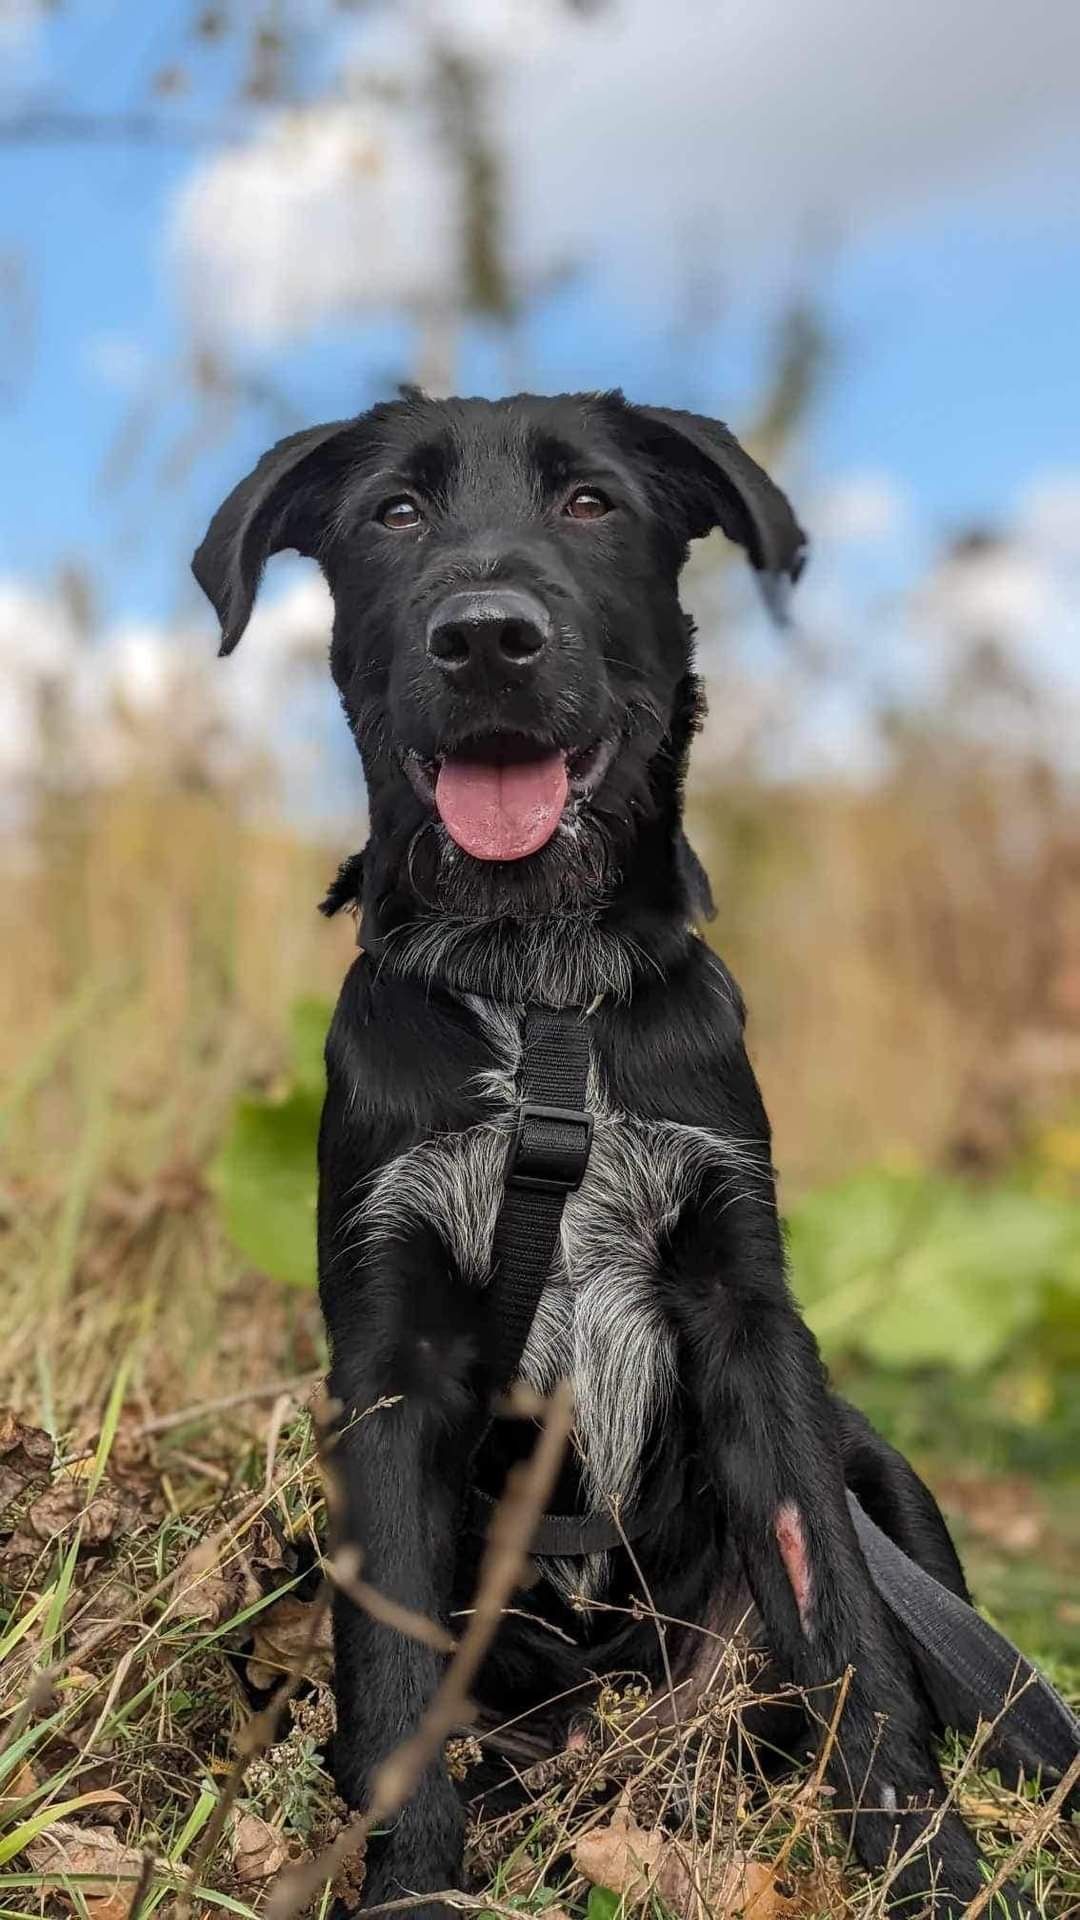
column 528, row 1488
column 1036, row 1832
column 66, row 127
column 254, row 1738
column 142, row 1886
column 186, row 1416
column 344, row 1571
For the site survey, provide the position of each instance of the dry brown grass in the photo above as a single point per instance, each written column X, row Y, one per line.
column 165, row 1598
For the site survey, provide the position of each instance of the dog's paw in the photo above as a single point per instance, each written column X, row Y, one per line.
column 387, row 1890
column 392, row 1877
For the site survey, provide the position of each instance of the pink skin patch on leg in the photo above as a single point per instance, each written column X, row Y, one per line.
column 791, row 1540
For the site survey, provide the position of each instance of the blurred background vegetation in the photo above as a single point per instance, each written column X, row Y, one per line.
column 332, row 197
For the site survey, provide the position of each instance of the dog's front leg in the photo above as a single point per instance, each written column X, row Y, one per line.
column 401, row 1469
column 769, row 1435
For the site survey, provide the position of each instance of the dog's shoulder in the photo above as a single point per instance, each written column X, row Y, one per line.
column 405, row 1052
column 678, row 1052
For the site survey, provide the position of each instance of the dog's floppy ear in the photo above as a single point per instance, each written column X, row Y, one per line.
column 281, row 504
column 721, row 486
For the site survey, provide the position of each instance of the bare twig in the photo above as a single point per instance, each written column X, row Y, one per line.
column 52, row 127
column 661, row 1635
column 810, row 1793
column 344, row 1571
column 142, row 1886
column 1036, row 1832
column 254, row 1738
column 528, row 1488
column 186, row 1416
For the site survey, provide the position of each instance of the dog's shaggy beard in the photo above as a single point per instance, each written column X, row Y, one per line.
column 533, row 929
column 517, row 932
column 537, row 929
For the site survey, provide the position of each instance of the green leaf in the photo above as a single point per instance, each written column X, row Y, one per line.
column 920, row 1271
column 265, row 1180
column 965, row 1294
column 603, row 1904
column 264, row 1174
column 309, row 1020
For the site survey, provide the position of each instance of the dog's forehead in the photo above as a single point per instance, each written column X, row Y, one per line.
column 499, row 451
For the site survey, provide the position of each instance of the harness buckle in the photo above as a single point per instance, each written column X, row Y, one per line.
column 550, row 1148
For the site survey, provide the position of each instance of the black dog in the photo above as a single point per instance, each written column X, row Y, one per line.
column 517, row 672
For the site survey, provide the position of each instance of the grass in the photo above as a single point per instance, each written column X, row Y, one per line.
column 180, row 1590
column 158, row 1563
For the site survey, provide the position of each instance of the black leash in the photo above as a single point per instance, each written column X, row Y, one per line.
column 1030, row 1718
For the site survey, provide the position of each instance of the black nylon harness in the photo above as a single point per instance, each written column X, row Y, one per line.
column 546, row 1161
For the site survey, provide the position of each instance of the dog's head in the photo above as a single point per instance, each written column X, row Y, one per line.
column 508, row 642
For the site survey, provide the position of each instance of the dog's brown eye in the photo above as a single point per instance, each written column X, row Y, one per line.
column 587, row 504
column 400, row 514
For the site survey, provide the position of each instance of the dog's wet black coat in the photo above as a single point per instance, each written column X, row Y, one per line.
column 752, row 1425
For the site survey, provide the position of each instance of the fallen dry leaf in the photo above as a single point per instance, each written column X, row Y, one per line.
column 112, row 1512
column 65, row 1504
column 202, row 1591
column 26, row 1456
column 280, row 1636
column 131, row 1457
column 747, row 1888
column 67, row 1848
column 23, row 1782
column 636, row 1862
column 115, row 1906
column 258, row 1849
column 622, row 1856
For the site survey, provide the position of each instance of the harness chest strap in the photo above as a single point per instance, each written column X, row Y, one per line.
column 546, row 1161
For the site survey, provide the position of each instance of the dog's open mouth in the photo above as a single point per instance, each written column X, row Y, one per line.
column 503, row 798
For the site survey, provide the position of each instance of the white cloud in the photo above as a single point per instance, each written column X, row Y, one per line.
column 860, row 507
column 630, row 136
column 1049, row 513
column 38, row 648
column 155, row 699
column 747, row 119
column 340, row 211
column 1002, row 592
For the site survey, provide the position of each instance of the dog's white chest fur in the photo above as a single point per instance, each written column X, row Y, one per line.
column 600, row 1321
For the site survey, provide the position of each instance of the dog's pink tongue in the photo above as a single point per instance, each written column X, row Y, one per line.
column 501, row 812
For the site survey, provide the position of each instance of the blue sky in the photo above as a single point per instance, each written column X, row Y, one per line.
column 955, row 313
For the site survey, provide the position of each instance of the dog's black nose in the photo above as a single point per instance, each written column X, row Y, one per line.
column 488, row 635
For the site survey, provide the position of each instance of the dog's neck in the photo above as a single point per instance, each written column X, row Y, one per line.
column 562, row 960
column 569, row 957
